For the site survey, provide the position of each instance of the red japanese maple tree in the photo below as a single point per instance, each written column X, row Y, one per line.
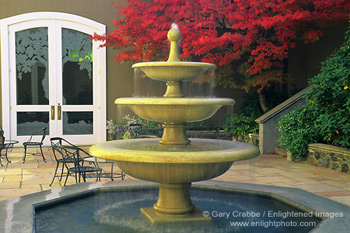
column 250, row 36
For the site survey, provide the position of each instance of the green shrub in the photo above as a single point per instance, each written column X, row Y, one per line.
column 298, row 130
column 120, row 129
column 251, row 107
column 240, row 125
column 123, row 130
column 330, row 96
column 326, row 116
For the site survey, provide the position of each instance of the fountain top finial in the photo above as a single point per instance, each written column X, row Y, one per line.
column 174, row 36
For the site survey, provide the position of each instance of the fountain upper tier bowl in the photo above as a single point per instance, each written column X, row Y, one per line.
column 175, row 110
column 174, row 71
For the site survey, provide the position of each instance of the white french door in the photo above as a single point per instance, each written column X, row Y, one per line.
column 54, row 79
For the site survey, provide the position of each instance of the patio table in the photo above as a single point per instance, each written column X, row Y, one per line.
column 7, row 145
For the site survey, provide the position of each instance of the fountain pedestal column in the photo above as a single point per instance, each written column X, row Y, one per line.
column 173, row 90
column 174, row 205
column 174, row 134
column 174, row 199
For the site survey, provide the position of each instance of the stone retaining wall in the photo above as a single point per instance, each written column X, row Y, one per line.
column 335, row 158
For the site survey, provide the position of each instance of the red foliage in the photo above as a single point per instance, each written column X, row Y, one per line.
column 258, row 33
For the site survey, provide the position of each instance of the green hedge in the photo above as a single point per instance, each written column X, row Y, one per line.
column 326, row 116
column 240, row 126
column 298, row 130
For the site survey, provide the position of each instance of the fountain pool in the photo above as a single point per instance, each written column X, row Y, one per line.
column 18, row 215
column 229, row 212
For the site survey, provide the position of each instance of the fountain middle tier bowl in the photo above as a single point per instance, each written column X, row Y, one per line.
column 146, row 159
column 175, row 110
column 174, row 71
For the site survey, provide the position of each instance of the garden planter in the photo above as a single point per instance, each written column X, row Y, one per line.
column 333, row 157
column 289, row 156
column 254, row 139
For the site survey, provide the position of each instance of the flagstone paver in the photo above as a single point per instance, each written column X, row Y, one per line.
column 17, row 179
column 10, row 185
column 13, row 178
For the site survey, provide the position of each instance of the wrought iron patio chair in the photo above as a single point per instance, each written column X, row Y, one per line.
column 72, row 160
column 31, row 143
column 5, row 146
column 2, row 144
column 55, row 142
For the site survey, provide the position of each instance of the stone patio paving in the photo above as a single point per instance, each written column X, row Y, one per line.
column 18, row 179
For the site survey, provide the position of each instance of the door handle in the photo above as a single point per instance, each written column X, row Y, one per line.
column 59, row 111
column 52, row 112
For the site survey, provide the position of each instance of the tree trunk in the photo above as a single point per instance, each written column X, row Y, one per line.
column 262, row 101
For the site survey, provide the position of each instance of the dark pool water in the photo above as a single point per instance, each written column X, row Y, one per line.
column 106, row 212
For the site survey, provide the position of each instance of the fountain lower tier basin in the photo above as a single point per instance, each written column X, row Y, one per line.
column 174, row 71
column 175, row 110
column 148, row 160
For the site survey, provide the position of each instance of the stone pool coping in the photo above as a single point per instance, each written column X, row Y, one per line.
column 17, row 214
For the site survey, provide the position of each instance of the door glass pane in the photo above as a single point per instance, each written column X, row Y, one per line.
column 32, row 67
column 77, row 123
column 29, row 123
column 77, row 68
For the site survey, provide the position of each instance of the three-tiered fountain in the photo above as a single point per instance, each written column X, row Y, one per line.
column 174, row 161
